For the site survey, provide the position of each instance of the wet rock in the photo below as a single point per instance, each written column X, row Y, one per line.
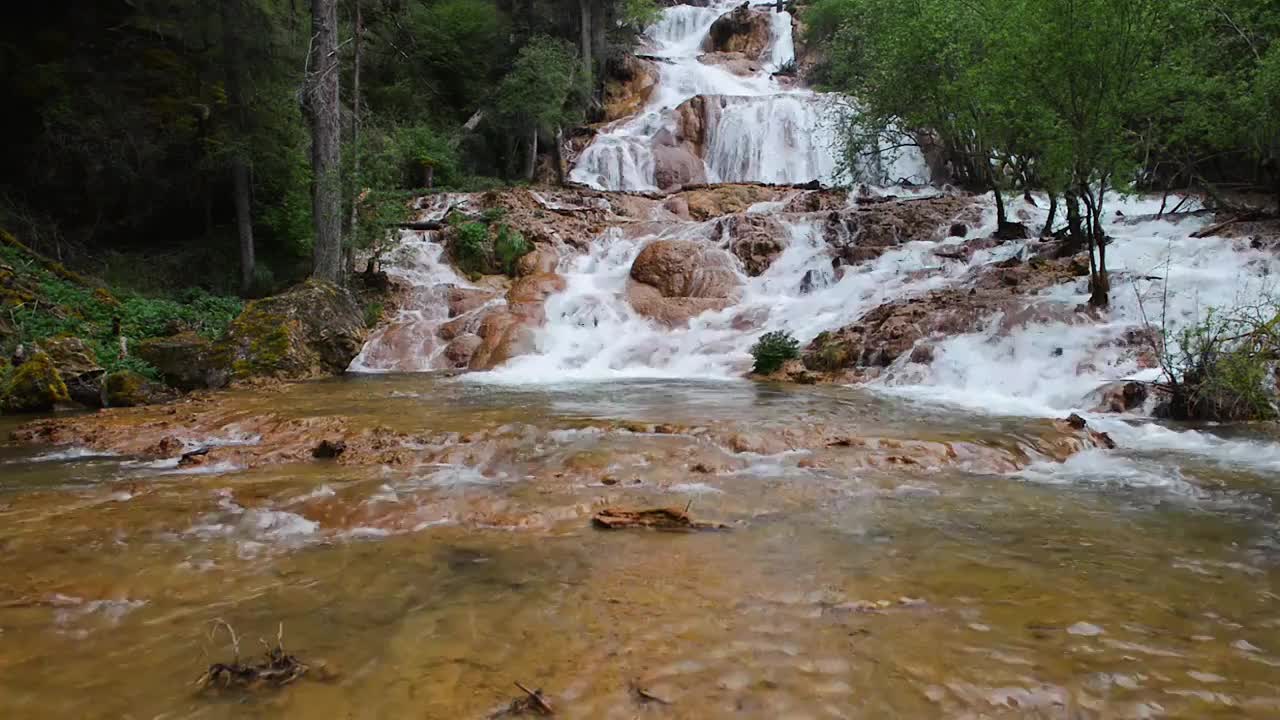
column 882, row 335
column 757, row 240
column 958, row 230
column 464, row 300
column 460, row 350
column 674, row 312
column 129, row 389
column 1121, row 397
column 539, row 261
column 713, row 202
column 865, row 232
column 535, row 288
column 504, row 335
column 677, row 166
column 628, row 85
column 737, row 63
column 77, row 365
column 312, row 330
column 685, row 269
column 34, row 386
column 185, row 361
column 675, row 280
column 743, row 31
column 329, row 449
column 657, row 519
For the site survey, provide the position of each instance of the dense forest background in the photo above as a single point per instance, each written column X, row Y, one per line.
column 166, row 145
column 177, row 131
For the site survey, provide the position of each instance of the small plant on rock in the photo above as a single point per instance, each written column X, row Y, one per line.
column 772, row 350
column 509, row 248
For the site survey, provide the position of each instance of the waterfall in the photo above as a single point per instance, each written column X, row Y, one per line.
column 765, row 131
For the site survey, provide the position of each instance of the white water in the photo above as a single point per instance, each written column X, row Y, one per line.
column 757, row 129
column 1041, row 369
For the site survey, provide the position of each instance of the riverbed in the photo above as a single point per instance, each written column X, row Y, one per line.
column 843, row 588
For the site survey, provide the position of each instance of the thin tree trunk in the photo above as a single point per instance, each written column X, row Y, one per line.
column 240, row 174
column 1002, row 217
column 588, row 64
column 1074, row 229
column 323, row 109
column 244, row 223
column 557, row 155
column 1053, row 216
column 532, row 167
column 355, row 123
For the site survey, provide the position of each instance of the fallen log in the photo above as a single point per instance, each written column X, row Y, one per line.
column 669, row 519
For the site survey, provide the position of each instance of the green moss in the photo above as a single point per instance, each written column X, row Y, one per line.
column 509, row 247
column 126, row 389
column 34, row 386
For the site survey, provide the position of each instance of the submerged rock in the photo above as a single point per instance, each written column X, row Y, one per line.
column 312, row 330
column 34, row 386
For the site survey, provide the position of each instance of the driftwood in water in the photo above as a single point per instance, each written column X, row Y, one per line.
column 656, row 519
column 533, row 702
column 276, row 669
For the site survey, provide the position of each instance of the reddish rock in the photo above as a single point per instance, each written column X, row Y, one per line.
column 757, row 240
column 743, row 31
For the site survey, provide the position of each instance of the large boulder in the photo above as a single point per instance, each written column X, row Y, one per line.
column 312, row 330
column 34, row 386
column 756, row 240
column 185, row 361
column 77, row 365
column 682, row 268
column 676, row 166
column 675, row 280
column 503, row 336
column 743, row 31
column 628, row 86
column 738, row 63
column 129, row 389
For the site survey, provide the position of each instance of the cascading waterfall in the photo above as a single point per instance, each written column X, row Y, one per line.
column 759, row 131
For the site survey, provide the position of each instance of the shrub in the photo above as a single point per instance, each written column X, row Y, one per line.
column 772, row 350
column 472, row 248
column 509, row 248
column 373, row 314
column 1223, row 367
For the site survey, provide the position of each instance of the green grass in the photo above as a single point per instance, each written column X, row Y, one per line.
column 49, row 302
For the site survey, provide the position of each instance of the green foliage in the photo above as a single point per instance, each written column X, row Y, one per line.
column 543, row 88
column 772, row 350
column 472, row 249
column 509, row 247
column 1223, row 367
column 373, row 314
column 638, row 14
column 56, row 306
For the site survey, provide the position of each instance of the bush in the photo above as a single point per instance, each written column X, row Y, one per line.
column 772, row 350
column 509, row 248
column 472, row 248
column 1223, row 368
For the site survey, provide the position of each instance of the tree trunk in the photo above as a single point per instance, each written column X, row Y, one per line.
column 1053, row 216
column 557, row 155
column 244, row 223
column 1075, row 231
column 355, row 124
column 240, row 173
column 588, row 64
column 531, row 169
column 323, row 111
column 1002, row 217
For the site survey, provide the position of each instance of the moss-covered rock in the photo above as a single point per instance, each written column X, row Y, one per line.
column 129, row 389
column 312, row 330
column 185, row 361
column 78, row 367
column 34, row 386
